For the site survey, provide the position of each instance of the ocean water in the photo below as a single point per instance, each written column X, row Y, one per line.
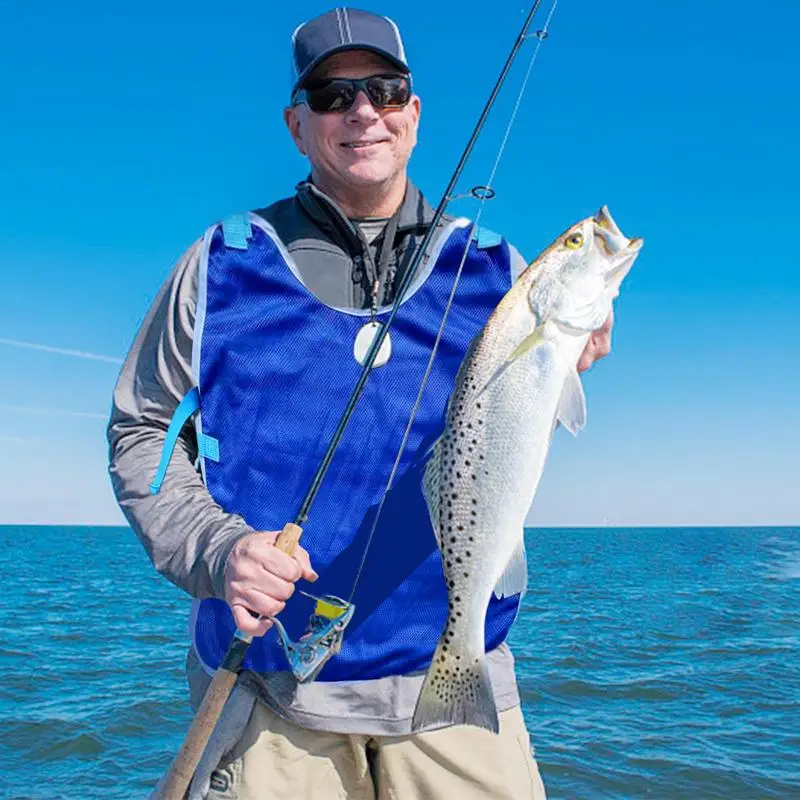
column 652, row 663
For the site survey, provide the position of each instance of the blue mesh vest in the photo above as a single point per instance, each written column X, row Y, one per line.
column 275, row 368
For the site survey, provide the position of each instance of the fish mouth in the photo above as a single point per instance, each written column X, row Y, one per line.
column 609, row 237
column 620, row 251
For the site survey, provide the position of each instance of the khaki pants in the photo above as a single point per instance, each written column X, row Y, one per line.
column 277, row 760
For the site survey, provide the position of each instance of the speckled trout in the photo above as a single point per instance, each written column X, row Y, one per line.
column 516, row 383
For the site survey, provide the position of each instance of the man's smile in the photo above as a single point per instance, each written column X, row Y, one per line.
column 363, row 144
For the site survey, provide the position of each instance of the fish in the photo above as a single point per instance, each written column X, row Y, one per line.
column 517, row 382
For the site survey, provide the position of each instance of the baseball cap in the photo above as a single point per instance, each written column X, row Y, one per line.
column 344, row 29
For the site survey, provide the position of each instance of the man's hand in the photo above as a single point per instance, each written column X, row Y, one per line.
column 598, row 346
column 260, row 578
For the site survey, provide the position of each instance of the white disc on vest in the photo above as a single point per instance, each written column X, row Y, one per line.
column 364, row 339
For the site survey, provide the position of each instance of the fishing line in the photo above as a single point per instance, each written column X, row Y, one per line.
column 486, row 193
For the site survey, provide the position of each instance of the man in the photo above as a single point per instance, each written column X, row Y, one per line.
column 278, row 300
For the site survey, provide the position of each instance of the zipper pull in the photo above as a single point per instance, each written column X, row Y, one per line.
column 376, row 287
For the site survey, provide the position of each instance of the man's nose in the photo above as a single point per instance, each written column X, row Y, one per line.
column 362, row 107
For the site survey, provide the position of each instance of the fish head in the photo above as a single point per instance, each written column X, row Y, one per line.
column 579, row 275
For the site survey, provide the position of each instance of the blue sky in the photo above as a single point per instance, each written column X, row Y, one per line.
column 126, row 129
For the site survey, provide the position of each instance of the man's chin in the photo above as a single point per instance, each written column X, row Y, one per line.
column 367, row 176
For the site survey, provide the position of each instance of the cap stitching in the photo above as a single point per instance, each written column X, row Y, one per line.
column 399, row 40
column 347, row 24
column 341, row 28
column 294, row 47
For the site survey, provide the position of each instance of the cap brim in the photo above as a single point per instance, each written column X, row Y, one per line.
column 393, row 60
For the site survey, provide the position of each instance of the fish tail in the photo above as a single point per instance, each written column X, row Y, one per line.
column 456, row 691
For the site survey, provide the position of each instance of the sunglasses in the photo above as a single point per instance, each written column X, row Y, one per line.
column 339, row 94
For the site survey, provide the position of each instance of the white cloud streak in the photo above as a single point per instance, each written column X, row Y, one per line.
column 52, row 412
column 62, row 351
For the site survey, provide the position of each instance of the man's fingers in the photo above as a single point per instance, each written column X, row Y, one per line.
column 249, row 624
column 302, row 558
column 263, row 602
column 598, row 345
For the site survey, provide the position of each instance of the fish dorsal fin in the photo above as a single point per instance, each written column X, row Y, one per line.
column 514, row 579
column 572, row 404
column 430, row 486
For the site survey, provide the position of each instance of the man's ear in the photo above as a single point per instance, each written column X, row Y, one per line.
column 291, row 117
column 415, row 105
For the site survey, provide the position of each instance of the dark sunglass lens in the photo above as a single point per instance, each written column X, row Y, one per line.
column 330, row 96
column 388, row 92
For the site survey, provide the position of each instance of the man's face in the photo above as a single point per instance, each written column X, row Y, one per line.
column 363, row 147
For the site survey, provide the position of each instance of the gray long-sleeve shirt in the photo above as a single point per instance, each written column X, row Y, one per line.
column 186, row 534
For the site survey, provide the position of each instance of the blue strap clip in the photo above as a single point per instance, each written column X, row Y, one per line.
column 208, row 446
column 486, row 238
column 236, row 230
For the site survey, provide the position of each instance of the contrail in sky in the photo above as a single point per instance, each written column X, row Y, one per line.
column 46, row 348
column 52, row 412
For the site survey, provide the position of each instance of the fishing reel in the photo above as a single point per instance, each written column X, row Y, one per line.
column 322, row 638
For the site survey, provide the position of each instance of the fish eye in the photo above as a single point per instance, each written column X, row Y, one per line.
column 574, row 242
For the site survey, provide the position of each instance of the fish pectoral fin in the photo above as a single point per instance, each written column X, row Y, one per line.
column 514, row 579
column 430, row 486
column 572, row 404
column 528, row 343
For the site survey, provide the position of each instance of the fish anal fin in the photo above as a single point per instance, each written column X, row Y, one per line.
column 514, row 579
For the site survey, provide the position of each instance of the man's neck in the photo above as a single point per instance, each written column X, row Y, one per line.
column 360, row 203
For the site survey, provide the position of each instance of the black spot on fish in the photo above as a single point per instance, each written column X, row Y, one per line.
column 457, row 599
column 474, row 501
column 466, row 574
column 455, row 496
column 461, row 527
column 458, row 475
column 459, row 560
column 468, row 554
column 448, row 564
column 467, row 462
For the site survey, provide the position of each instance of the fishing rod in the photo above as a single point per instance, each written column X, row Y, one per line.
column 327, row 638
